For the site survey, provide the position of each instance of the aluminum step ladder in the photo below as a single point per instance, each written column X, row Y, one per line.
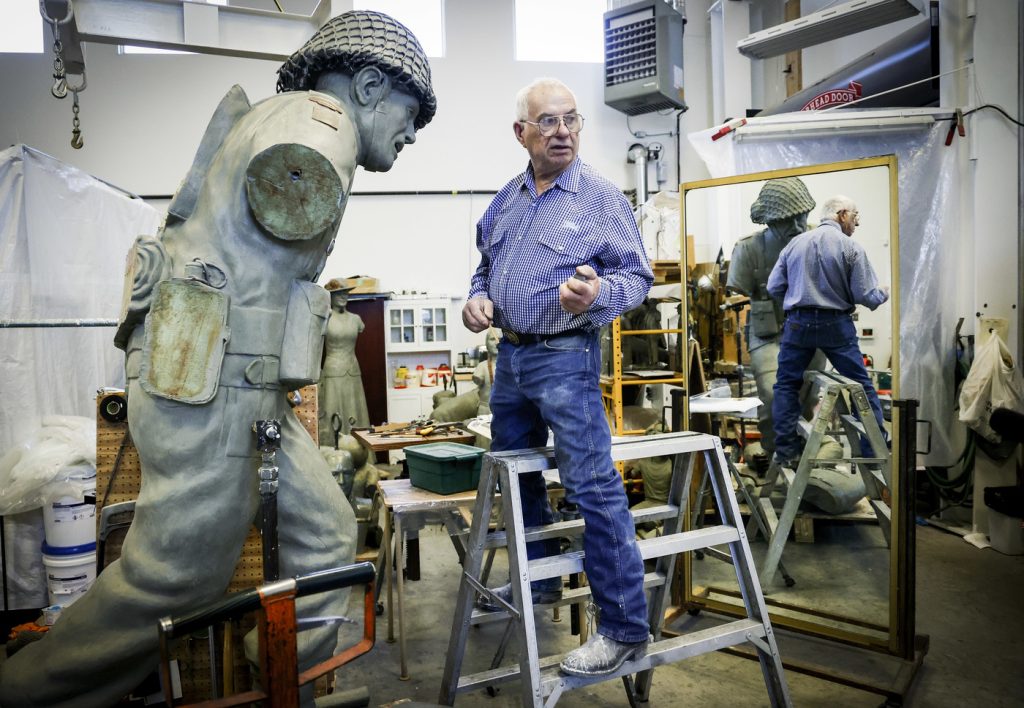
column 541, row 682
column 834, row 417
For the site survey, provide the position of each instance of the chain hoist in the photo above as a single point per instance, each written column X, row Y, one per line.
column 60, row 87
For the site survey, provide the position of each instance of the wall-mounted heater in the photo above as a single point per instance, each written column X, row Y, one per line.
column 643, row 57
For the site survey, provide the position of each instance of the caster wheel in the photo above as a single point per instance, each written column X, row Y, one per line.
column 693, row 611
column 492, row 691
column 379, row 609
column 699, row 555
column 790, row 582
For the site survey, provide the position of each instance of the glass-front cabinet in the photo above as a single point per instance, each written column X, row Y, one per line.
column 415, row 325
column 419, row 353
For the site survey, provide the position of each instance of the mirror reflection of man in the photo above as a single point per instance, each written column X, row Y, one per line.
column 782, row 205
column 821, row 277
column 246, row 237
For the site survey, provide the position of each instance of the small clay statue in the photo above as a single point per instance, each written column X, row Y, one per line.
column 342, row 399
column 483, row 375
column 223, row 317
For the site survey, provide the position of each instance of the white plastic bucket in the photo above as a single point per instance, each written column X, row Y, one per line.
column 69, row 521
column 69, row 571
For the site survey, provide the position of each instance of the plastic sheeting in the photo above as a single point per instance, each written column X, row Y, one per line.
column 63, row 240
column 929, row 218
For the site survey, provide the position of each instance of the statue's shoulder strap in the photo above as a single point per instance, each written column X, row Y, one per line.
column 233, row 106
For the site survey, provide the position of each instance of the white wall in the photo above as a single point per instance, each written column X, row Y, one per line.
column 143, row 116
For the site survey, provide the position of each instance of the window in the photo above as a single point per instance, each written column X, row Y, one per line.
column 424, row 17
column 571, row 30
column 21, row 30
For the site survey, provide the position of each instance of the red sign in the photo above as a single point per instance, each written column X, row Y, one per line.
column 834, row 97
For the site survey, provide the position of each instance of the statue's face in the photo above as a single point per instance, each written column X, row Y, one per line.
column 391, row 127
column 551, row 154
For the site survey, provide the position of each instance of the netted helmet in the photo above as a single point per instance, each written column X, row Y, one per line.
column 781, row 199
column 361, row 38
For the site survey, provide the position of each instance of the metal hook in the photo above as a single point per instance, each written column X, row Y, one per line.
column 76, row 139
column 60, row 87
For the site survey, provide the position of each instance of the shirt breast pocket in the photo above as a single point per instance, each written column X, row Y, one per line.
column 499, row 231
column 577, row 243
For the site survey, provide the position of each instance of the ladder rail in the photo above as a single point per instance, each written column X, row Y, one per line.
column 746, row 578
column 519, row 577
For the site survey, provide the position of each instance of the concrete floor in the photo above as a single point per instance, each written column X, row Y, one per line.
column 970, row 603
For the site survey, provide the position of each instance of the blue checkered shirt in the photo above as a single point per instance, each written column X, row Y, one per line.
column 825, row 268
column 530, row 245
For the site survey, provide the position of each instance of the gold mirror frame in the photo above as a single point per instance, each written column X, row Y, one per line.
column 854, row 631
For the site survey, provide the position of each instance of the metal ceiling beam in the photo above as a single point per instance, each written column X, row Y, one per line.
column 831, row 23
column 184, row 25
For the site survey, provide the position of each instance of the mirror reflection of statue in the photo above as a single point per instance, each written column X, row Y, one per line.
column 342, row 400
column 644, row 351
column 782, row 205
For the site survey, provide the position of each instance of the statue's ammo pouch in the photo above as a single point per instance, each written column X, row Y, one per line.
column 763, row 321
column 185, row 337
column 305, row 325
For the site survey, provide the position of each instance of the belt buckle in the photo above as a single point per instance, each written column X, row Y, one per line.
column 511, row 336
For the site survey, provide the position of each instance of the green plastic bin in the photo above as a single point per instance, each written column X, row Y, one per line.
column 444, row 467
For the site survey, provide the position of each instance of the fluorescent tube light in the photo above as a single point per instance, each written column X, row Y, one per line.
column 831, row 23
column 827, row 128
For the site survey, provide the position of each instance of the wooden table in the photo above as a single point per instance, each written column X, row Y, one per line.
column 400, row 499
column 377, row 440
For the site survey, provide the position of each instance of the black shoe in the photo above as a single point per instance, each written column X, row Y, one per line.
column 540, row 596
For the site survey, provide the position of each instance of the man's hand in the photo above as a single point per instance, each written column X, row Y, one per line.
column 478, row 314
column 578, row 293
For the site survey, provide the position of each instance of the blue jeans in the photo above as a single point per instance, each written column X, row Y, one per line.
column 555, row 383
column 803, row 332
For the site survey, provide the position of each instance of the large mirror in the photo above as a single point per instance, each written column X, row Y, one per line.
column 838, row 567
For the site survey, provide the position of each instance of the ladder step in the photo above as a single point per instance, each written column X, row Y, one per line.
column 499, row 539
column 572, row 562
column 804, row 427
column 569, row 597
column 625, row 448
column 665, row 651
column 852, row 422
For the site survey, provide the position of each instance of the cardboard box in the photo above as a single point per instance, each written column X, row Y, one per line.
column 362, row 284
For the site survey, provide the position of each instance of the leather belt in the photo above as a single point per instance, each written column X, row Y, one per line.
column 518, row 339
column 821, row 310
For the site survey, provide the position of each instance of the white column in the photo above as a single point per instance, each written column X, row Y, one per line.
column 730, row 70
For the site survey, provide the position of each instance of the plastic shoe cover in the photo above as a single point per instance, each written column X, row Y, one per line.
column 601, row 655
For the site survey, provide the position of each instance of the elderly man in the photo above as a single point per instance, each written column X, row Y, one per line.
column 820, row 277
column 782, row 205
column 560, row 257
column 223, row 317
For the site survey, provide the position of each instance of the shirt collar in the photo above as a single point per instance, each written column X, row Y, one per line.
column 568, row 180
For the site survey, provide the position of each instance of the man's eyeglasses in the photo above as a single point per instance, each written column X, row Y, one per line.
column 548, row 125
